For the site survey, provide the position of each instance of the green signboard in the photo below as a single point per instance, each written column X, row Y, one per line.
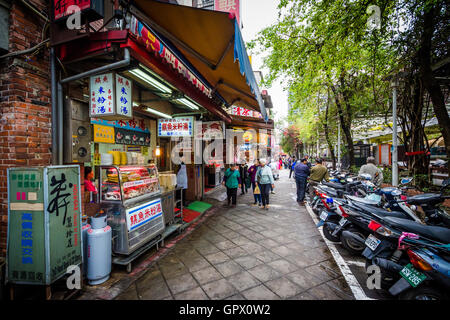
column 44, row 232
column 26, row 225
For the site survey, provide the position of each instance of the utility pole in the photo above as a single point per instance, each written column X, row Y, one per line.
column 394, row 86
column 339, row 145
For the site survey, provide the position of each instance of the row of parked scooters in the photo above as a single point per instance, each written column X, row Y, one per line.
column 405, row 240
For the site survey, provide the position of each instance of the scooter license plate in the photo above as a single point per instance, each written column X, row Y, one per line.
column 410, row 274
column 372, row 242
column 342, row 222
column 323, row 215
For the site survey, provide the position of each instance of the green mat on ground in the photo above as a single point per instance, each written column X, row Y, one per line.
column 199, row 206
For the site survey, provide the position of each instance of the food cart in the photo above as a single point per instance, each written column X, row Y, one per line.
column 131, row 198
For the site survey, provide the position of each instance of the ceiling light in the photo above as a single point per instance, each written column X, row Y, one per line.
column 150, row 80
column 161, row 114
column 188, row 103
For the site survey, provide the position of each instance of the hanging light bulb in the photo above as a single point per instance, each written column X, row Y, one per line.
column 158, row 151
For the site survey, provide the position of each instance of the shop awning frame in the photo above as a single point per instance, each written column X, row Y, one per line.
column 188, row 29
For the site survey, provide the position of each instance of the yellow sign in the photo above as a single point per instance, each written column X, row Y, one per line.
column 103, row 134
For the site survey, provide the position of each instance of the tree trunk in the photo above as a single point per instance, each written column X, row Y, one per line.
column 327, row 136
column 429, row 81
column 345, row 127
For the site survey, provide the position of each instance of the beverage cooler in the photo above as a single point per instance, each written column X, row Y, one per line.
column 44, row 223
column 131, row 198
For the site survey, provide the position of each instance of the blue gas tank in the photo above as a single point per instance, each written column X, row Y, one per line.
column 98, row 253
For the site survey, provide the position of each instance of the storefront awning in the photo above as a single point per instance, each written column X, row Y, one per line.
column 212, row 42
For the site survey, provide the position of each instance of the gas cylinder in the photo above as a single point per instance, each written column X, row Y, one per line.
column 98, row 251
column 86, row 226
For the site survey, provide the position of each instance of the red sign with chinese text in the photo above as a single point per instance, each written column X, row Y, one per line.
column 231, row 6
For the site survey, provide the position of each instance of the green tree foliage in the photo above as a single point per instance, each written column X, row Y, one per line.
column 325, row 48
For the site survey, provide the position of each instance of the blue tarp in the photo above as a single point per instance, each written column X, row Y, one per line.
column 240, row 53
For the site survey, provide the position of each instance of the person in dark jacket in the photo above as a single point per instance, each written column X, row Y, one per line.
column 243, row 171
column 301, row 172
column 252, row 173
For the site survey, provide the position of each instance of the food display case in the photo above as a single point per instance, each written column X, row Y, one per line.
column 131, row 198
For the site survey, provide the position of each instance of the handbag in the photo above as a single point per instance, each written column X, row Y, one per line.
column 257, row 191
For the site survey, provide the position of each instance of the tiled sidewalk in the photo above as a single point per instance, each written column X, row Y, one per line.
column 248, row 253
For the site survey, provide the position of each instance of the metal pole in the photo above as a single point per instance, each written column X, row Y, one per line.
column 394, row 136
column 60, row 123
column 339, row 145
column 54, row 99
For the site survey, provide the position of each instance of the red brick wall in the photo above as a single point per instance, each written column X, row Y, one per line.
column 25, row 108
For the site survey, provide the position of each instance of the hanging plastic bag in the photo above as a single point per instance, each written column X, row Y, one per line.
column 257, row 191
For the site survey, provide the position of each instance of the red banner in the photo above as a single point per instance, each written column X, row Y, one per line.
column 231, row 6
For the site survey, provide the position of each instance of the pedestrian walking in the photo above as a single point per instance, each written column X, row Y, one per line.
column 273, row 165
column 318, row 173
column 243, row 171
column 232, row 180
column 252, row 174
column 292, row 166
column 264, row 178
column 371, row 168
column 301, row 172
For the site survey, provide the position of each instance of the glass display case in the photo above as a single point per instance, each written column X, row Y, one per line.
column 128, row 183
column 131, row 198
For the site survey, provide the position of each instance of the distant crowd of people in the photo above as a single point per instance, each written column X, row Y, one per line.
column 260, row 176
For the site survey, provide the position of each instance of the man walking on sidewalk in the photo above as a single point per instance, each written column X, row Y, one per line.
column 318, row 173
column 301, row 171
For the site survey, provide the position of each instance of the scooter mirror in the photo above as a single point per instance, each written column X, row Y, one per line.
column 446, row 182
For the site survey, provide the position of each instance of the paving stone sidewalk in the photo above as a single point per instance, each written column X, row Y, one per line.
column 248, row 253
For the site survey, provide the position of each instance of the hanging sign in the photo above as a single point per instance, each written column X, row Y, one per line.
column 134, row 124
column 176, row 127
column 231, row 6
column 110, row 96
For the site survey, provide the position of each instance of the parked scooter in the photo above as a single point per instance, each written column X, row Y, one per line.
column 385, row 249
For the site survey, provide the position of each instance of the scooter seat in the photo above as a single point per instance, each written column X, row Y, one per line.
column 334, row 185
column 440, row 234
column 379, row 211
column 363, row 200
column 424, row 198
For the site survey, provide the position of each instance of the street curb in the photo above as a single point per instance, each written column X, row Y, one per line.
column 351, row 280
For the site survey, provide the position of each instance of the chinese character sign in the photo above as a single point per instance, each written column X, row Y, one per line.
column 176, row 127
column 123, row 96
column 139, row 216
column 61, row 6
column 231, row 6
column 111, row 95
column 102, row 95
column 243, row 112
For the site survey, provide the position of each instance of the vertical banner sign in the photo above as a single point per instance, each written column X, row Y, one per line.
column 102, row 95
column 124, row 96
column 231, row 6
column 26, row 248
column 64, row 210
column 111, row 95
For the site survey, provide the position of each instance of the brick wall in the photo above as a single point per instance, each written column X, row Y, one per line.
column 25, row 108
